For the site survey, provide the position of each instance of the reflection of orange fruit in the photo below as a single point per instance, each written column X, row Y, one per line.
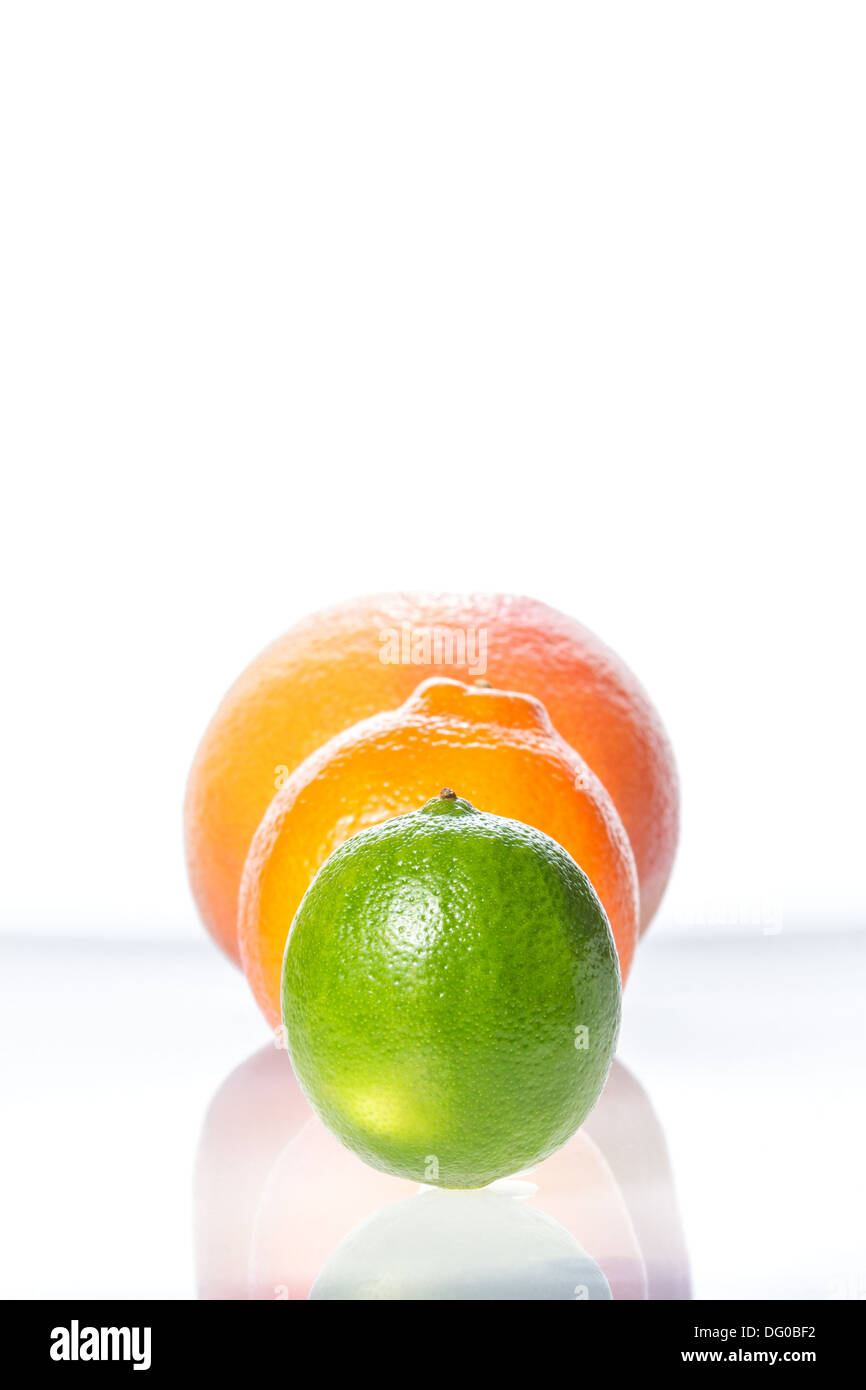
column 276, row 1193
column 495, row 749
column 578, row 1189
column 627, row 1131
column 362, row 657
column 316, row 1192
column 257, row 1111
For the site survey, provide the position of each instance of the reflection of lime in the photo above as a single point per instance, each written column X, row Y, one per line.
column 460, row 1245
column 451, row 994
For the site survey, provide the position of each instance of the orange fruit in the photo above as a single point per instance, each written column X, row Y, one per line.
column 497, row 750
column 359, row 658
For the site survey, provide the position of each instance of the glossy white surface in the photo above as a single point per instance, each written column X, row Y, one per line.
column 749, row 1049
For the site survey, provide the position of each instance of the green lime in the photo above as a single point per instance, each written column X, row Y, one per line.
column 451, row 995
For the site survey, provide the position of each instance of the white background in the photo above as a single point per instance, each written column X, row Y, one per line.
column 305, row 300
column 302, row 301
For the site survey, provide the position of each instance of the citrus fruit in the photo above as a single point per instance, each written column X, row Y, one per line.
column 499, row 747
column 359, row 658
column 451, row 994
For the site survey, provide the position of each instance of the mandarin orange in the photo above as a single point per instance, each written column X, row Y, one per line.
column 497, row 750
column 365, row 656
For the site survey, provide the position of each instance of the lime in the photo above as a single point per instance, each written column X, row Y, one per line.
column 451, row 994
